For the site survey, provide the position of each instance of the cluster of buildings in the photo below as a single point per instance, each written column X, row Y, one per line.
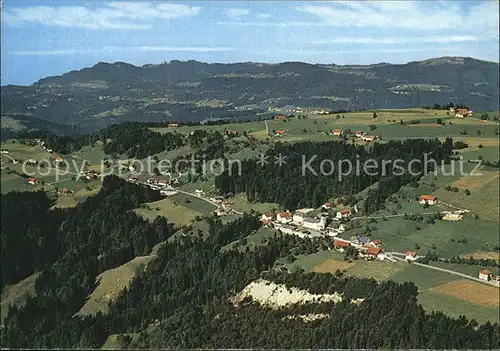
column 224, row 207
column 92, row 175
column 302, row 223
column 370, row 250
column 357, row 134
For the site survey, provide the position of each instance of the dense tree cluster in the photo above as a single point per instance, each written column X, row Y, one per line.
column 301, row 183
column 131, row 139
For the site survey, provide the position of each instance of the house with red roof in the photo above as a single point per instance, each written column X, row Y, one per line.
column 326, row 206
column 336, row 132
column 372, row 253
column 31, row 181
column 410, row 255
column 427, row 199
column 341, row 245
column 343, row 214
column 358, row 134
column 280, row 118
column 280, row 132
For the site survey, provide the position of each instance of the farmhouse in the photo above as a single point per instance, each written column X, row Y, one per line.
column 280, row 132
column 411, row 255
column 280, row 117
column 485, row 275
column 462, row 112
column 314, row 223
column 284, row 217
column 325, row 206
column 358, row 134
column 427, row 199
column 336, row 132
column 372, row 253
column 340, row 244
column 4, row 151
column 31, row 181
column 343, row 214
column 172, row 125
column 231, row 132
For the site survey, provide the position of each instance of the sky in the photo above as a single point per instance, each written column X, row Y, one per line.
column 45, row 38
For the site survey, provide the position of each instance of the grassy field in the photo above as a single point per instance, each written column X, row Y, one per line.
column 191, row 202
column 112, row 281
column 241, row 204
column 176, row 212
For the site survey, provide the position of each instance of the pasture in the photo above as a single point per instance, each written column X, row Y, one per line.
column 175, row 212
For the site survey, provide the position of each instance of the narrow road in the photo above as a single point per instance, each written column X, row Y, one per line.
column 457, row 273
column 392, row 216
column 205, row 199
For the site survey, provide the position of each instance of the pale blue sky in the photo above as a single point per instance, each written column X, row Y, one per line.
column 42, row 38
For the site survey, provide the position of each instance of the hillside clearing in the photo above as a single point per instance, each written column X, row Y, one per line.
column 16, row 294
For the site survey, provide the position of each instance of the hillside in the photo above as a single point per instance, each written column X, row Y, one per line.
column 109, row 93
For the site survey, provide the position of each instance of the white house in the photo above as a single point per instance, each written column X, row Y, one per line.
column 485, row 274
column 284, row 217
column 411, row 255
column 429, row 199
column 325, row 206
column 298, row 218
column 314, row 223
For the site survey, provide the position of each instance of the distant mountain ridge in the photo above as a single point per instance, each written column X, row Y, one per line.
column 108, row 93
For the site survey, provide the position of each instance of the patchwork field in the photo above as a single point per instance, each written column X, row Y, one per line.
column 470, row 291
column 435, row 287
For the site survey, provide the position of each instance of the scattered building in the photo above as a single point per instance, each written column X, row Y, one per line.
column 280, row 132
column 4, row 151
column 132, row 179
column 280, row 118
column 336, row 132
column 411, row 255
column 325, row 206
column 485, row 275
column 232, row 132
column 172, row 125
column 428, row 199
column 31, row 181
column 358, row 134
column 462, row 112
